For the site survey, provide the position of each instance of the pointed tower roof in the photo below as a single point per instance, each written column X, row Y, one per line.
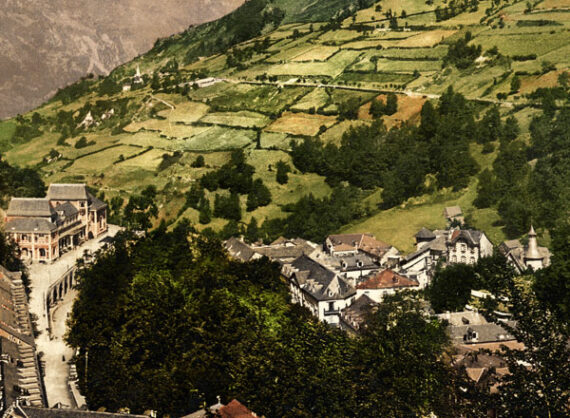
column 532, row 252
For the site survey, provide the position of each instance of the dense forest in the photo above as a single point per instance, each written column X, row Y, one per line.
column 167, row 322
column 531, row 181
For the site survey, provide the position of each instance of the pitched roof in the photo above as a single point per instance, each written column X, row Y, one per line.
column 319, row 281
column 452, row 211
column 425, row 233
column 67, row 192
column 472, row 236
column 235, row 409
column 355, row 314
column 486, row 333
column 67, row 208
column 29, row 207
column 96, row 204
column 30, row 225
column 387, row 279
column 239, row 249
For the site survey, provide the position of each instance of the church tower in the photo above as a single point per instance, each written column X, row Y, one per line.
column 532, row 257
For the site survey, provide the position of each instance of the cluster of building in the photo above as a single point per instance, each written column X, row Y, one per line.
column 346, row 276
column 45, row 228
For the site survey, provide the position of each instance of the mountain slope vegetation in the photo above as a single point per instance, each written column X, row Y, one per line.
column 274, row 76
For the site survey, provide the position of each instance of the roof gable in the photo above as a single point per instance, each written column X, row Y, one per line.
column 30, row 207
column 387, row 279
column 67, row 192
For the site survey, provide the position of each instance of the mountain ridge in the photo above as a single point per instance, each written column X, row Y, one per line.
column 45, row 46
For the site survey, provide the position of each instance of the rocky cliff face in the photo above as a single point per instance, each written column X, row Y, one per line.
column 45, row 45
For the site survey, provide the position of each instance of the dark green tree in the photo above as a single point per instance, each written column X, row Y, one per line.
column 282, row 172
column 140, row 209
column 450, row 289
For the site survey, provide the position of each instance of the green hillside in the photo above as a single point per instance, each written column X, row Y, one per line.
column 287, row 70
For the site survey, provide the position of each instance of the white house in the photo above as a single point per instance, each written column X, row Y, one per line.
column 466, row 246
column 318, row 289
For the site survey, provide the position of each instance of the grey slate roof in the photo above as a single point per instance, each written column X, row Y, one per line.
column 353, row 260
column 437, row 245
column 27, row 206
column 30, row 225
column 320, row 282
column 96, row 204
column 239, row 249
column 486, row 333
column 425, row 233
column 67, row 192
column 67, row 208
column 472, row 236
column 355, row 314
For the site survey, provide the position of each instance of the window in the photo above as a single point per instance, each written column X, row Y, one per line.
column 331, row 306
column 463, row 259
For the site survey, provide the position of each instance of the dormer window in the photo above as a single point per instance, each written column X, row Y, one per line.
column 359, row 263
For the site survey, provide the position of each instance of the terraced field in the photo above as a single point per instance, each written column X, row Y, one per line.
column 296, row 88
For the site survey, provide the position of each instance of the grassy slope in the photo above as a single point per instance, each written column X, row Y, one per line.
column 216, row 119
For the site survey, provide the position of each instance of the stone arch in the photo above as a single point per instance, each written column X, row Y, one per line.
column 42, row 252
column 90, row 235
column 54, row 294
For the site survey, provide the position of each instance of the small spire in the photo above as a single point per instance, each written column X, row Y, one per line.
column 531, row 233
column 532, row 252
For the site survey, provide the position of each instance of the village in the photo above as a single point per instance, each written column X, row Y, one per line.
column 339, row 281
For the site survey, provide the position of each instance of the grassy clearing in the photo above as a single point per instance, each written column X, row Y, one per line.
column 332, row 68
column 339, row 36
column 242, row 119
column 374, row 79
column 426, row 39
column 166, row 128
column 32, row 152
column 7, row 129
column 317, row 53
column 150, row 160
column 553, row 4
column 334, row 134
column 301, row 123
column 186, row 112
column 522, row 44
column 215, row 63
column 99, row 161
column 390, row 65
column 276, row 140
column 289, row 53
column 218, row 138
column 264, row 99
column 315, row 99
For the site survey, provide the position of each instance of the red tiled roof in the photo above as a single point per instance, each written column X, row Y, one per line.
column 387, row 279
column 235, row 409
column 344, row 247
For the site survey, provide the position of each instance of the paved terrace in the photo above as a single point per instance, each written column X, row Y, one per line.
column 56, row 353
